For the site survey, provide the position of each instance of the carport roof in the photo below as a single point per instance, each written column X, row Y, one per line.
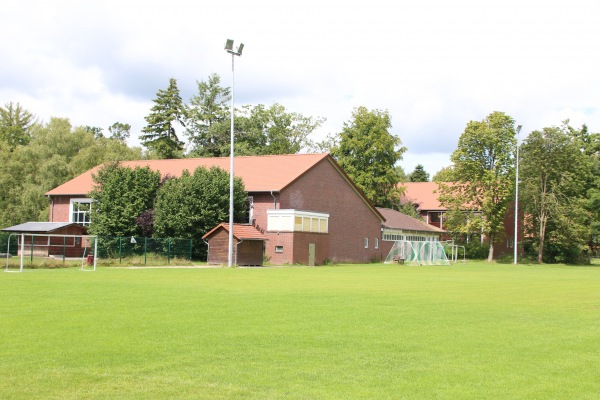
column 38, row 227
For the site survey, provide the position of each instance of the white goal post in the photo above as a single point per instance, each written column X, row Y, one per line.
column 418, row 252
column 46, row 245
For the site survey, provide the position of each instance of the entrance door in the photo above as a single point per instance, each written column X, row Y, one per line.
column 311, row 254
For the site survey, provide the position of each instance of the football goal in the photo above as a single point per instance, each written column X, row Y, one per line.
column 51, row 247
column 418, row 252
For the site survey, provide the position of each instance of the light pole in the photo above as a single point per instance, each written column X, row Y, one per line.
column 517, row 196
column 238, row 52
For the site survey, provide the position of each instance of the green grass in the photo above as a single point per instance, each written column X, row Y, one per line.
column 469, row 331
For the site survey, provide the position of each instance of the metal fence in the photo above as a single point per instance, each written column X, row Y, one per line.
column 118, row 247
column 145, row 250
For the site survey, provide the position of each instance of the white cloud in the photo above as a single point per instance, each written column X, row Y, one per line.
column 434, row 65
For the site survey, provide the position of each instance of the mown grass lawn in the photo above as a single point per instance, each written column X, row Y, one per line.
column 469, row 331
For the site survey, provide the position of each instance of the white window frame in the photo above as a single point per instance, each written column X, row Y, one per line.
column 72, row 210
column 366, row 243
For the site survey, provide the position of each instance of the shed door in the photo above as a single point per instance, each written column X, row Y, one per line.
column 311, row 254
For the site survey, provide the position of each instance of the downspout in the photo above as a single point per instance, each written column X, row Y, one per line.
column 207, row 249
column 274, row 200
column 51, row 209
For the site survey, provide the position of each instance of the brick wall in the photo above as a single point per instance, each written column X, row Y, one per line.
column 324, row 189
column 59, row 209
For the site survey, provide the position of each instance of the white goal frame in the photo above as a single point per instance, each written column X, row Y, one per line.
column 23, row 248
column 424, row 252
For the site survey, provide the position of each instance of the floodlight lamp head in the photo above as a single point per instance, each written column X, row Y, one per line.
column 240, row 48
column 229, row 45
column 519, row 128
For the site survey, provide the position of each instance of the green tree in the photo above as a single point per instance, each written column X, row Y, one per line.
column 409, row 208
column 119, row 131
column 401, row 174
column 368, row 153
column 589, row 144
column 419, row 174
column 208, row 119
column 445, row 174
column 15, row 125
column 330, row 142
column 121, row 195
column 160, row 134
column 554, row 173
column 56, row 153
column 273, row 130
column 95, row 130
column 190, row 206
column 484, row 171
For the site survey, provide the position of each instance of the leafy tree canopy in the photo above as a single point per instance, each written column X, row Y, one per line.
column 121, row 195
column 555, row 173
column 208, row 122
column 368, row 152
column 273, row 130
column 190, row 206
column 445, row 174
column 15, row 125
column 484, row 171
column 56, row 153
column 119, row 131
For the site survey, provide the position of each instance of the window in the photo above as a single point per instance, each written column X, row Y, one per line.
column 278, row 249
column 376, row 243
column 366, row 243
column 81, row 211
column 297, row 221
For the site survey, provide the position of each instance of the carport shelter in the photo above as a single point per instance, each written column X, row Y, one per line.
column 45, row 246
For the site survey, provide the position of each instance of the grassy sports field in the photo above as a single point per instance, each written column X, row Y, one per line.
column 469, row 331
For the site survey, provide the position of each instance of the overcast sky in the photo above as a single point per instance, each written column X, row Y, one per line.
column 434, row 65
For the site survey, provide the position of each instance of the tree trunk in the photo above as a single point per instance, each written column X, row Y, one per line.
column 542, row 233
column 491, row 253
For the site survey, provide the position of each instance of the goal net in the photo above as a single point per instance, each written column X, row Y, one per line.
column 418, row 252
column 50, row 249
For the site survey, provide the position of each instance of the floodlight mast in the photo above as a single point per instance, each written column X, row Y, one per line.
column 517, row 197
column 238, row 52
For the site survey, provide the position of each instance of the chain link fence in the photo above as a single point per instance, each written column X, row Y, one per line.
column 119, row 248
column 39, row 250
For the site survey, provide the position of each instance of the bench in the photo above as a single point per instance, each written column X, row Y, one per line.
column 398, row 259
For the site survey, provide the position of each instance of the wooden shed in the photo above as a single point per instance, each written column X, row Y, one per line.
column 248, row 245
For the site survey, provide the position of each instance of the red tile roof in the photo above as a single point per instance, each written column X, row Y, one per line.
column 396, row 220
column 259, row 173
column 424, row 194
column 240, row 232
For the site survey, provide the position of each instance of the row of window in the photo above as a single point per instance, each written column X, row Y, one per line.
column 376, row 243
column 412, row 238
column 297, row 221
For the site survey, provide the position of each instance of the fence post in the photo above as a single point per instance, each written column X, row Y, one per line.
column 64, row 249
column 145, row 249
column 190, row 258
column 120, row 249
column 31, row 255
column 168, row 250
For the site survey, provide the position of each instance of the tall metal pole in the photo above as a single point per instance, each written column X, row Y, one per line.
column 229, row 49
column 517, row 197
column 231, row 172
